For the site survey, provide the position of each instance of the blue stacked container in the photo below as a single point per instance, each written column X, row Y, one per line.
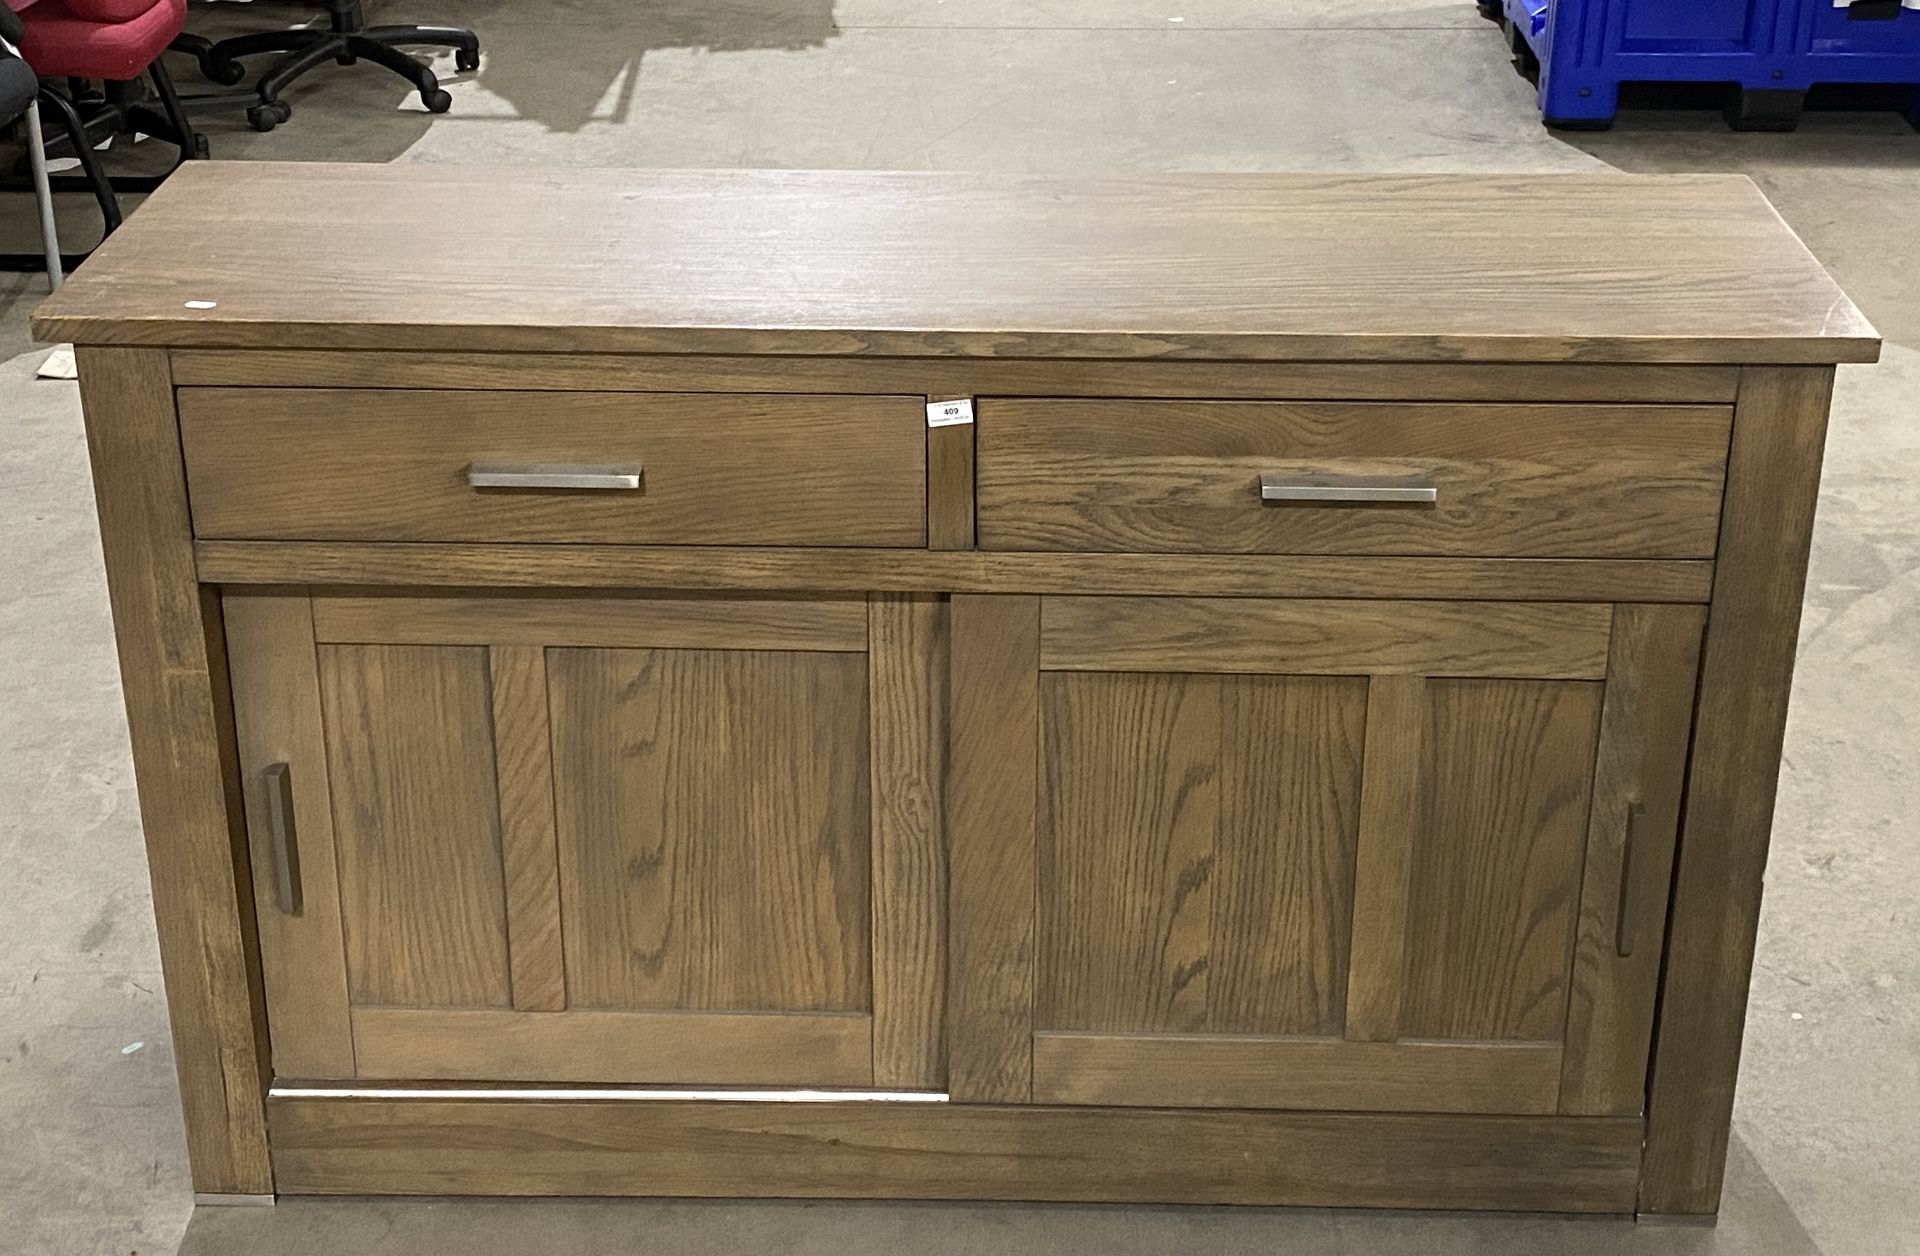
column 1770, row 51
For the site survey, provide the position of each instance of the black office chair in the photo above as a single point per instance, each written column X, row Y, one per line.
column 345, row 40
column 19, row 90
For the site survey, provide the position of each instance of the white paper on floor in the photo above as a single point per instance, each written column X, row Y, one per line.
column 59, row 364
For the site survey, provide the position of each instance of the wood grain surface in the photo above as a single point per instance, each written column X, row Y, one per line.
column 713, row 825
column 366, row 464
column 1391, row 823
column 1245, row 1071
column 907, row 702
column 1684, row 268
column 1496, row 868
column 1195, row 862
column 417, row 821
column 529, row 856
column 1306, row 636
column 663, row 621
column 1513, row 481
column 952, row 1151
column 173, row 677
column 1645, row 727
column 993, row 778
column 658, row 1047
column 950, row 481
column 276, row 712
column 1773, row 484
column 958, row 377
column 865, row 570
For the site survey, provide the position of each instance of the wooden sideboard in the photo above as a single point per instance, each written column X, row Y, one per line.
column 1310, row 736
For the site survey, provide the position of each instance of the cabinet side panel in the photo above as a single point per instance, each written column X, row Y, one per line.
column 1773, row 483
column 1496, row 870
column 195, row 846
column 712, row 812
column 417, row 819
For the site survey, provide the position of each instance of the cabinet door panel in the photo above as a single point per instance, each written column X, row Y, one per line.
column 1196, row 857
column 417, row 822
column 712, row 813
column 1358, row 884
column 1290, row 812
column 1496, row 868
column 619, row 838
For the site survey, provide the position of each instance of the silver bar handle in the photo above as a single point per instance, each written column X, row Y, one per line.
column 1355, row 488
column 566, row 475
column 282, row 839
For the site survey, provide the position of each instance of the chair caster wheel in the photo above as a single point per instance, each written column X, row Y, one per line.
column 436, row 101
column 265, row 117
column 200, row 149
column 466, row 61
column 225, row 73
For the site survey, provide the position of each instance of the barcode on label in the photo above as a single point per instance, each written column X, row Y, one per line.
column 949, row 413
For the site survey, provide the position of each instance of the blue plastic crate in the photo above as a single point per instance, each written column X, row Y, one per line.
column 1771, row 51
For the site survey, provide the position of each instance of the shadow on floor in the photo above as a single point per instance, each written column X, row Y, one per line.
column 608, row 54
column 555, row 62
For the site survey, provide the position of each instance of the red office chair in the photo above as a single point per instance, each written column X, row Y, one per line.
column 112, row 42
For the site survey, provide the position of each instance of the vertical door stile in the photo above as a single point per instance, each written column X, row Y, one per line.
column 1644, row 730
column 991, row 807
column 528, row 849
column 1390, row 811
column 277, row 721
column 906, row 662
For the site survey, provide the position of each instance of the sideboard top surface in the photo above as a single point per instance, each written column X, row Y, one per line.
column 1562, row 268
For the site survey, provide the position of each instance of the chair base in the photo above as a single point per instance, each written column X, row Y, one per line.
column 36, row 263
column 345, row 40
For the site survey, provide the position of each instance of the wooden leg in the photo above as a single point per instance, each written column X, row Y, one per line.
column 174, row 678
column 1773, row 480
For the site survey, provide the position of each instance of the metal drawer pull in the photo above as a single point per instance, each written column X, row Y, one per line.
column 1629, row 915
column 1289, row 488
column 282, row 839
column 552, row 475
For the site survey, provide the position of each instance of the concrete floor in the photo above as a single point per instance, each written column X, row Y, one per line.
column 1823, row 1156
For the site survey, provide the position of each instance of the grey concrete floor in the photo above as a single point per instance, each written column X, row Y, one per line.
column 1824, row 1155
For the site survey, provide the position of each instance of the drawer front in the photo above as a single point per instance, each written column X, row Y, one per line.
column 1554, row 481
column 713, row 469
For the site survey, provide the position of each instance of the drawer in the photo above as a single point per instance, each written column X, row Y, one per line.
column 714, row 469
column 1559, row 481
